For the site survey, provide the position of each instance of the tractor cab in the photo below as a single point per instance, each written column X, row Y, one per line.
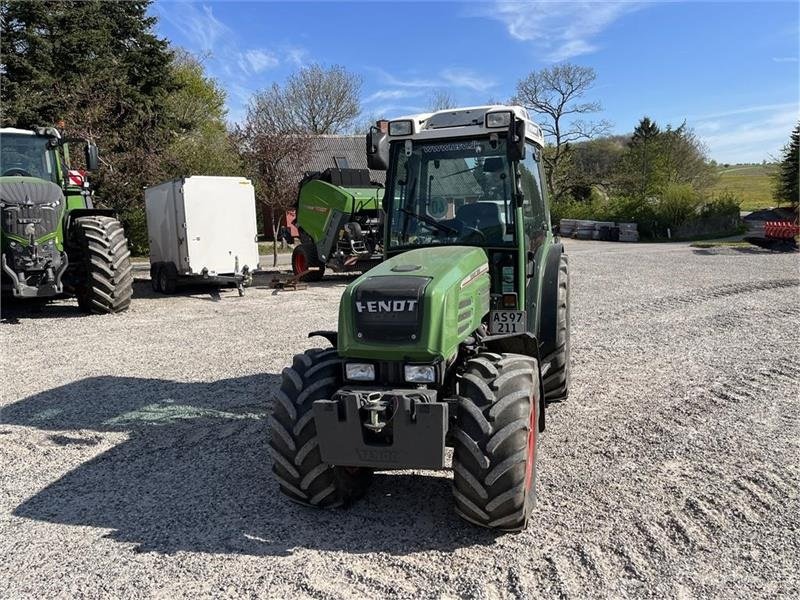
column 470, row 177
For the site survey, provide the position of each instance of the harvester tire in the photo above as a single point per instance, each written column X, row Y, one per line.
column 305, row 260
column 167, row 278
column 294, row 446
column 557, row 378
column 495, row 439
column 105, row 272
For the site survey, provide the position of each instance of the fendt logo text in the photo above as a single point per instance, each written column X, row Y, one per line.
column 378, row 306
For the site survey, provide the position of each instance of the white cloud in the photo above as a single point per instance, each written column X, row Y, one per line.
column 256, row 61
column 297, row 56
column 752, row 140
column 744, row 110
column 461, row 78
column 562, row 30
column 382, row 95
column 448, row 78
column 785, row 59
column 197, row 23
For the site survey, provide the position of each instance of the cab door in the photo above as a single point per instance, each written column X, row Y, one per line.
column 537, row 227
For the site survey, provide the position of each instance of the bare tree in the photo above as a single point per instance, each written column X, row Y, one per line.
column 274, row 156
column 316, row 100
column 441, row 100
column 554, row 93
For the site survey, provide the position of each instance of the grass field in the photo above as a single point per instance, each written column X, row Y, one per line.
column 752, row 184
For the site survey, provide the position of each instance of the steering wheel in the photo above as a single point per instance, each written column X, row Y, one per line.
column 16, row 171
column 471, row 231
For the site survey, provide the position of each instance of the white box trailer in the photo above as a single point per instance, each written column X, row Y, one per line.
column 201, row 228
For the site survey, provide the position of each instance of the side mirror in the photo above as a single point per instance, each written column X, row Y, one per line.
column 92, row 158
column 377, row 149
column 515, row 148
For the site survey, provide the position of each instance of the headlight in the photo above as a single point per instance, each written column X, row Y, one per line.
column 420, row 373
column 400, row 128
column 359, row 371
column 498, row 119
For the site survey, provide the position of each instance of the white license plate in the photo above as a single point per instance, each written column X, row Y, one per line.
column 507, row 321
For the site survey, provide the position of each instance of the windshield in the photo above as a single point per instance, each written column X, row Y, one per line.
column 450, row 192
column 26, row 155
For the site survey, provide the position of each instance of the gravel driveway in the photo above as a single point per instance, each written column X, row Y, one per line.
column 133, row 456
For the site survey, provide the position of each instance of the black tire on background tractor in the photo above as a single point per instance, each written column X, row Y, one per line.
column 294, row 446
column 557, row 378
column 155, row 277
column 167, row 278
column 105, row 270
column 304, row 257
column 495, row 439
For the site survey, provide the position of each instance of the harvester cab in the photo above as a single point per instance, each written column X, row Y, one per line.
column 53, row 240
column 460, row 337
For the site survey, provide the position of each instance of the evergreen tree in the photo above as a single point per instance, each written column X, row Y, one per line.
column 645, row 134
column 786, row 185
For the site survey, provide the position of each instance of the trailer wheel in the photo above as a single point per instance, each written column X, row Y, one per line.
column 304, row 257
column 155, row 277
column 294, row 446
column 557, row 378
column 104, row 266
column 495, row 439
column 168, row 278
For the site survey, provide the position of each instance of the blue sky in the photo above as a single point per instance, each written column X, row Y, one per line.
column 729, row 68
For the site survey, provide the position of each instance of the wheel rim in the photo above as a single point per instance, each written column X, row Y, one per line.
column 162, row 278
column 300, row 263
column 532, row 432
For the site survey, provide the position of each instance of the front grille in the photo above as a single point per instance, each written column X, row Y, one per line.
column 389, row 309
column 30, row 207
column 21, row 220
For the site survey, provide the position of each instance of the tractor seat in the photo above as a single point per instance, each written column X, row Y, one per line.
column 484, row 216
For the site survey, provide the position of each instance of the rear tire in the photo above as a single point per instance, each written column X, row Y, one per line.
column 294, row 446
column 495, row 439
column 557, row 378
column 304, row 257
column 105, row 272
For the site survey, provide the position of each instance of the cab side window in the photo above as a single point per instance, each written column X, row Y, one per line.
column 533, row 208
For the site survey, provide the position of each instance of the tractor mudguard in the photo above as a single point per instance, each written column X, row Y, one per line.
column 515, row 343
column 548, row 316
column 76, row 213
column 520, row 343
column 418, row 428
column 331, row 336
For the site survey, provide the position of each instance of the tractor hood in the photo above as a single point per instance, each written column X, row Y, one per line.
column 416, row 306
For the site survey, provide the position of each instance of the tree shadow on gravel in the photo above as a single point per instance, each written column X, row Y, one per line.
column 194, row 475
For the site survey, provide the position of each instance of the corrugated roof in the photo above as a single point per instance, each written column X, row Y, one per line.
column 325, row 149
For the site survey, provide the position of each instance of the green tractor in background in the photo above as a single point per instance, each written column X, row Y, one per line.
column 459, row 338
column 53, row 240
column 339, row 219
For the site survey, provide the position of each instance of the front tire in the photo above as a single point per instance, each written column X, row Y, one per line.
column 294, row 445
column 106, row 275
column 495, row 439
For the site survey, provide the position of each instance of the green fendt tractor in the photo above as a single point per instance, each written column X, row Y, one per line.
column 459, row 338
column 53, row 239
column 338, row 216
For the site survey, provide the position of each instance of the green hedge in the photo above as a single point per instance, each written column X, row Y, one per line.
column 676, row 206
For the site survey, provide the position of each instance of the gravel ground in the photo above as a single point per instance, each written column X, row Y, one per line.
column 133, row 455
